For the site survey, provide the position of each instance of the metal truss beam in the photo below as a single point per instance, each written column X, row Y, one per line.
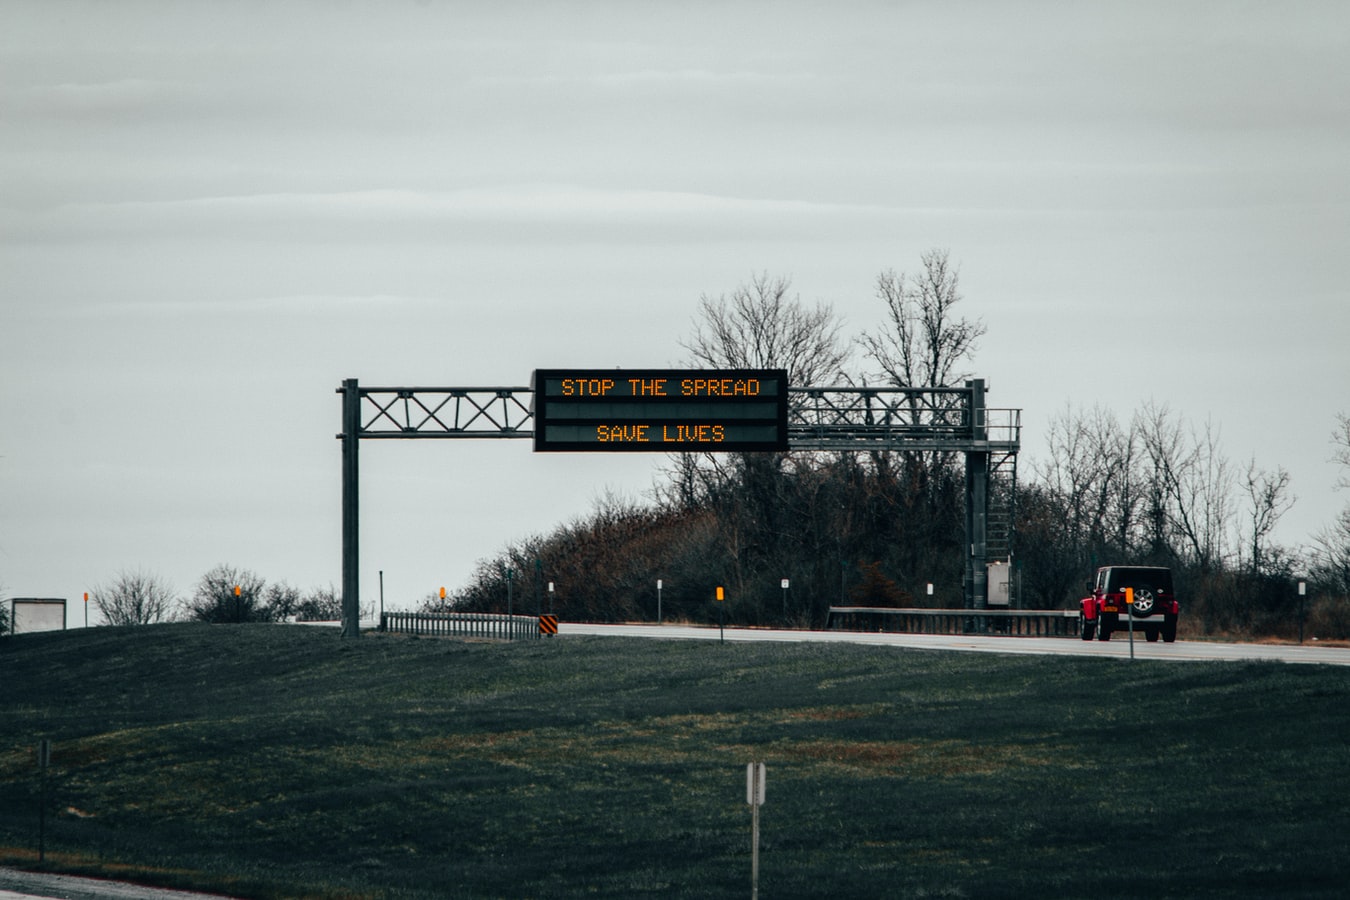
column 446, row 412
column 819, row 418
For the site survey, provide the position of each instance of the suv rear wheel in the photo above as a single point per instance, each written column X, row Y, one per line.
column 1103, row 628
column 1144, row 602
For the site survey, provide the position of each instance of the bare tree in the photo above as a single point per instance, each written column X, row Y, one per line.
column 1083, row 508
column 924, row 342
column 1207, row 510
column 1092, row 472
column 1190, row 489
column 215, row 600
column 758, row 326
column 1331, row 550
column 322, row 604
column 1330, row 555
column 762, row 324
column 1340, row 440
column 1268, row 493
column 134, row 598
column 281, row 601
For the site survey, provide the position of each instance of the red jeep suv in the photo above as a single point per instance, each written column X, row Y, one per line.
column 1155, row 605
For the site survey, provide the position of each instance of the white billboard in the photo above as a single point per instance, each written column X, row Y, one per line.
column 30, row 614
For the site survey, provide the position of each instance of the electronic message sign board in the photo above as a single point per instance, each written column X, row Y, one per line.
column 665, row 410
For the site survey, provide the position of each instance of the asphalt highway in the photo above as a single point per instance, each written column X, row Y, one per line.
column 20, row 885
column 1118, row 647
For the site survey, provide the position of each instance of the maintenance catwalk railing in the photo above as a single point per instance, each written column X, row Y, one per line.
column 1015, row 622
column 496, row 626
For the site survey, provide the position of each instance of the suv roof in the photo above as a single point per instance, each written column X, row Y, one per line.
column 1113, row 578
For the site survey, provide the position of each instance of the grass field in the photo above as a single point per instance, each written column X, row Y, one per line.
column 271, row 761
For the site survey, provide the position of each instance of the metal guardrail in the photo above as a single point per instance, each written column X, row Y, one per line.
column 496, row 626
column 1013, row 622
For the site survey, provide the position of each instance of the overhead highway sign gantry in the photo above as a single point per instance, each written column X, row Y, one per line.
column 675, row 410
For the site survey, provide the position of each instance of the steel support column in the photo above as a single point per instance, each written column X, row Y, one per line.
column 977, row 555
column 976, row 578
column 351, row 491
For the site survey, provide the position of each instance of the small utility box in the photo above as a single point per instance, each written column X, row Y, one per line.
column 1000, row 574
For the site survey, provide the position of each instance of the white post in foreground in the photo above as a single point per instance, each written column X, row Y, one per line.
column 754, row 796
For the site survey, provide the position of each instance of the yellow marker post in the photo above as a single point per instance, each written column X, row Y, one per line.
column 1129, row 613
column 720, row 597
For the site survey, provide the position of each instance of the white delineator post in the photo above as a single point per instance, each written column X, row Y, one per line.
column 754, row 796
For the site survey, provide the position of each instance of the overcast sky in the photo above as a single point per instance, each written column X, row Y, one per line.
column 212, row 213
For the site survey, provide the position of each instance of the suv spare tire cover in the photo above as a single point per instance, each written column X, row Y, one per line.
column 1144, row 602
